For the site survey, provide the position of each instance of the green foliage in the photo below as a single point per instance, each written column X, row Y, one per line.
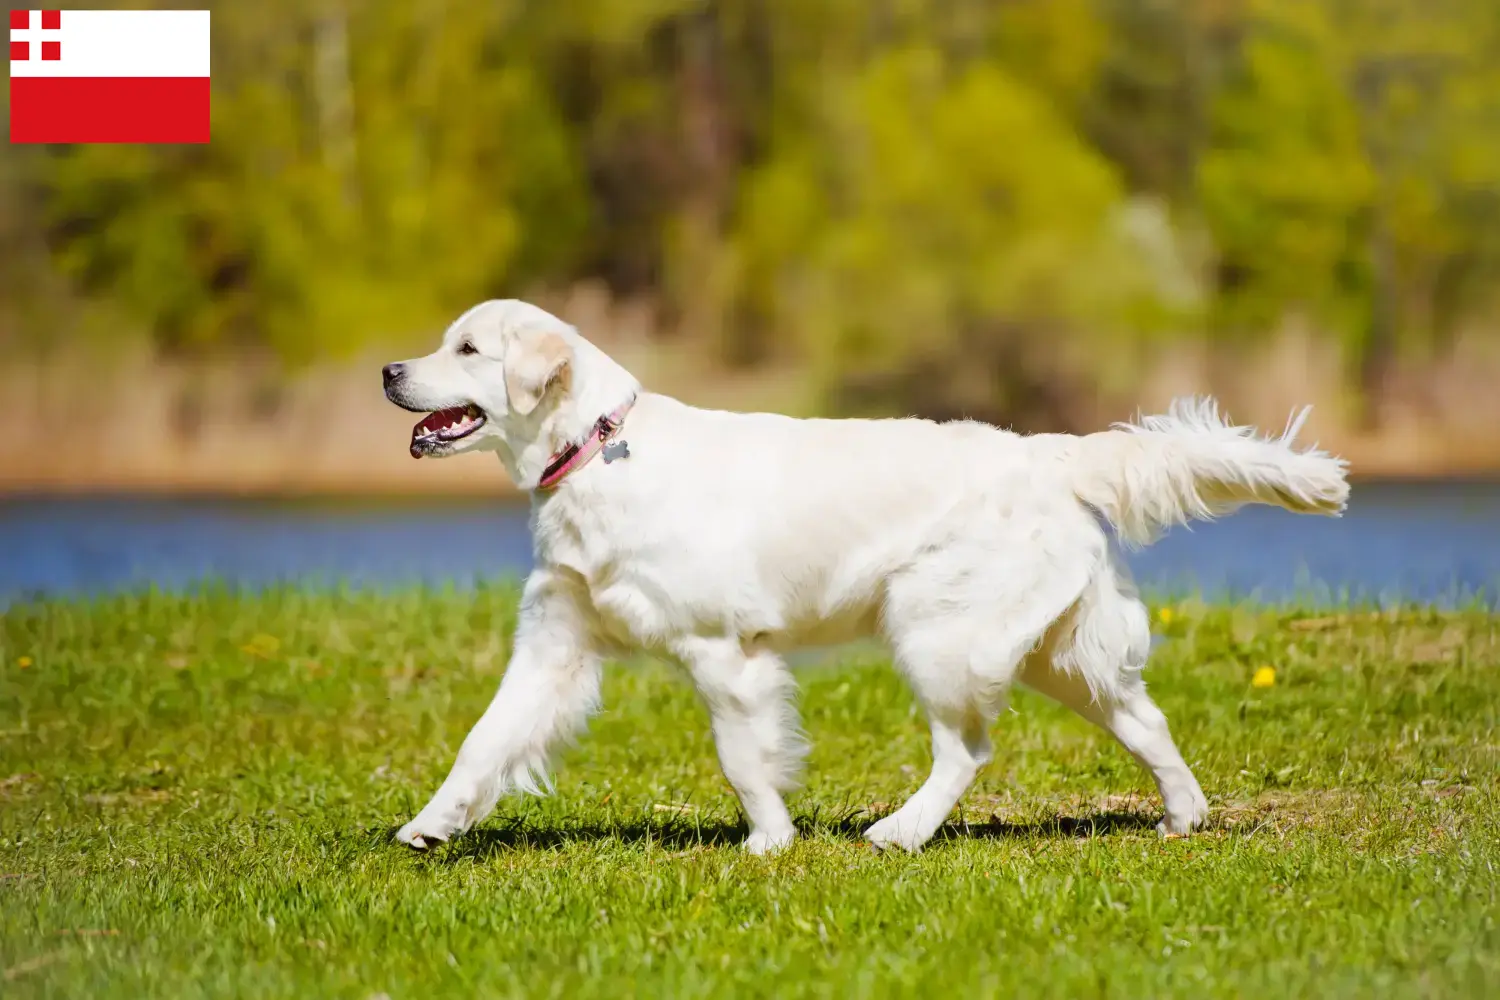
column 1353, row 171
column 367, row 170
column 1285, row 184
column 852, row 185
column 928, row 202
column 197, row 796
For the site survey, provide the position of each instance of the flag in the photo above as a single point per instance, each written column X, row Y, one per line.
column 109, row 76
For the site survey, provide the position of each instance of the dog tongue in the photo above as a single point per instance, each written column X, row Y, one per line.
column 437, row 421
column 432, row 423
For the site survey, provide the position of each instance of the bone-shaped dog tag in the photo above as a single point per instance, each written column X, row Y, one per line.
column 615, row 450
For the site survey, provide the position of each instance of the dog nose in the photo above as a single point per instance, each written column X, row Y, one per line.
column 392, row 373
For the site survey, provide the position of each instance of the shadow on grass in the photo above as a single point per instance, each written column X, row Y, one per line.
column 688, row 834
column 488, row 841
column 1102, row 824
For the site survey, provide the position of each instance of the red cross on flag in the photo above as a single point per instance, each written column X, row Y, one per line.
column 109, row 76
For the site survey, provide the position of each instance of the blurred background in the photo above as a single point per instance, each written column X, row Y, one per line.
column 1048, row 214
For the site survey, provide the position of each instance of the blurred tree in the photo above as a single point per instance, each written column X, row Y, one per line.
column 1162, row 64
column 932, row 202
column 886, row 187
column 1285, row 183
column 1354, row 173
column 370, row 166
column 1427, row 87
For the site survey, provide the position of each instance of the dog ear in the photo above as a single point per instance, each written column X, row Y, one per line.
column 537, row 359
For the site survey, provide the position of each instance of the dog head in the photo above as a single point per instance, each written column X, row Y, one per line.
column 501, row 368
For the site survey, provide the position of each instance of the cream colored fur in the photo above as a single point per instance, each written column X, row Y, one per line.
column 726, row 540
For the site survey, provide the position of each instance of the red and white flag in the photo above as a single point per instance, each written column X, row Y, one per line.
column 109, row 76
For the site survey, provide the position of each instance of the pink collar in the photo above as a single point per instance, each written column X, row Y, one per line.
column 576, row 456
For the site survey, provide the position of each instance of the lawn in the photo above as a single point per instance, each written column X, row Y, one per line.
column 197, row 796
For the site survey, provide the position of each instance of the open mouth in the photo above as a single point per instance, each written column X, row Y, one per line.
column 445, row 427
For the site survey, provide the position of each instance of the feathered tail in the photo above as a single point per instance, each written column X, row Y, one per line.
column 1191, row 463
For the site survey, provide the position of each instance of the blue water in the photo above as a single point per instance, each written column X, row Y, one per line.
column 1417, row 542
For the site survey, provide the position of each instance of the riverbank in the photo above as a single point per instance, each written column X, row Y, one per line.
column 129, row 423
column 1430, row 542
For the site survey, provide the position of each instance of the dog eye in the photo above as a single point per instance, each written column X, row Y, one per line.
column 467, row 348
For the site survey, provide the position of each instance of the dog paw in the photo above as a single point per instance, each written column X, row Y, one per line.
column 1182, row 819
column 896, row 831
column 762, row 842
column 431, row 827
column 416, row 836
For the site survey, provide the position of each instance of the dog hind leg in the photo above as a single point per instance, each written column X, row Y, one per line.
column 1132, row 718
column 959, row 632
column 960, row 747
column 1093, row 666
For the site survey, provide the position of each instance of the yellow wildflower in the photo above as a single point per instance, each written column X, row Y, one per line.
column 1166, row 615
column 23, row 662
column 1264, row 677
column 262, row 645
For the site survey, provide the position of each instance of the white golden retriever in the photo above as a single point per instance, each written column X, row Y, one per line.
column 723, row 540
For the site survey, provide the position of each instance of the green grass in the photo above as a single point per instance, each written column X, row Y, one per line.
column 197, row 796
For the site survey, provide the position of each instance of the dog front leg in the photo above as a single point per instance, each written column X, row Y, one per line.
column 550, row 689
column 749, row 698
